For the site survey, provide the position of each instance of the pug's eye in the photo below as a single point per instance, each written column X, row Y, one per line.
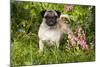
column 46, row 17
column 55, row 17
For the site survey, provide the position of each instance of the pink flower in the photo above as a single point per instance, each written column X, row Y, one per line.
column 68, row 7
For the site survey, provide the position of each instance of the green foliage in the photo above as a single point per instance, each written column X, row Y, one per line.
column 24, row 51
column 25, row 21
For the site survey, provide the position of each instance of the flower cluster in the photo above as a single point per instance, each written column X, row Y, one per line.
column 79, row 39
column 68, row 7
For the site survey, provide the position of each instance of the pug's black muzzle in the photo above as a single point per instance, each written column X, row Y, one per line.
column 51, row 21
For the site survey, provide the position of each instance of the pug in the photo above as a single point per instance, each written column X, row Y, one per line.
column 51, row 29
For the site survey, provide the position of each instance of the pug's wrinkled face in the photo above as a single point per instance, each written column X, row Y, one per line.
column 50, row 17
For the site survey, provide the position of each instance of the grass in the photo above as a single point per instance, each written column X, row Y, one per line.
column 24, row 51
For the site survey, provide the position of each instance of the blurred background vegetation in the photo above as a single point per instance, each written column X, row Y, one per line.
column 25, row 22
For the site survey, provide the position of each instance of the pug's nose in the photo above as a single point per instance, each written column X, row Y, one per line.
column 51, row 23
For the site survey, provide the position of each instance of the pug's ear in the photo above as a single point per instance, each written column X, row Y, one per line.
column 42, row 13
column 58, row 12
